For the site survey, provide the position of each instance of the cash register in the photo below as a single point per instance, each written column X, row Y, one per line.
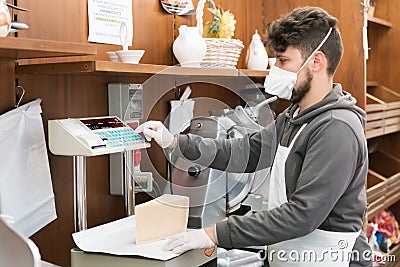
column 87, row 137
column 92, row 136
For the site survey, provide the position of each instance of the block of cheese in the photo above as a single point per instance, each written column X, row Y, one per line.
column 162, row 217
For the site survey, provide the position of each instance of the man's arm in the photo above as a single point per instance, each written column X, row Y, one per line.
column 248, row 154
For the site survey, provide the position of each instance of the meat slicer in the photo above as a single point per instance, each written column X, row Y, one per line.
column 215, row 194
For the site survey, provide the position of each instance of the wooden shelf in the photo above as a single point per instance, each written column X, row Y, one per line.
column 125, row 68
column 383, row 181
column 380, row 21
column 372, row 83
column 23, row 48
column 383, row 110
column 376, row 191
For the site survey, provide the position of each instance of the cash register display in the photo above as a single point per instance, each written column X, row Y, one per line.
column 114, row 132
column 103, row 123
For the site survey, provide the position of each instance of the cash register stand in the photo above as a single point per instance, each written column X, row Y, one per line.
column 129, row 184
column 80, row 203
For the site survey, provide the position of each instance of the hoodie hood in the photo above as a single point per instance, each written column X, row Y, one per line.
column 336, row 99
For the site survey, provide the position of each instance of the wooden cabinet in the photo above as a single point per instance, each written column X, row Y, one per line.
column 78, row 87
column 383, row 111
column 383, row 102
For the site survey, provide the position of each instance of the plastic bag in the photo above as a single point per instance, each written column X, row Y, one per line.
column 26, row 192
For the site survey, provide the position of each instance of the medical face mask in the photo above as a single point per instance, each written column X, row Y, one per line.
column 280, row 82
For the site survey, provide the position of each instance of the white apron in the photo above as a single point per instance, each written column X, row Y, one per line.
column 319, row 248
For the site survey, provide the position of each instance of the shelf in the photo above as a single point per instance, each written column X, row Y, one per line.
column 376, row 191
column 383, row 181
column 382, row 123
column 374, row 103
column 382, row 115
column 387, row 165
column 383, row 110
column 376, row 186
column 23, row 48
column 380, row 21
column 373, row 83
column 125, row 68
column 383, row 95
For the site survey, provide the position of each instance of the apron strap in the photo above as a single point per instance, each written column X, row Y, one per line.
column 291, row 143
column 297, row 135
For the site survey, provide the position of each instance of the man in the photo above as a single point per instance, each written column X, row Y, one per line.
column 317, row 197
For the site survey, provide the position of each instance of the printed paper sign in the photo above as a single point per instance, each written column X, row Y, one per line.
column 105, row 19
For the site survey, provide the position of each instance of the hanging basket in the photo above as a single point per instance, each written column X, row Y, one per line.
column 221, row 52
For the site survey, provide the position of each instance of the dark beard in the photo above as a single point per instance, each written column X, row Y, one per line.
column 302, row 89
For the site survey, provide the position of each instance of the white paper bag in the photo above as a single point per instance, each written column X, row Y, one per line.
column 26, row 192
column 181, row 115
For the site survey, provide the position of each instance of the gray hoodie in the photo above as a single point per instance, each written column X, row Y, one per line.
column 325, row 173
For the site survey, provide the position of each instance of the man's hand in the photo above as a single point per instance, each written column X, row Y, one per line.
column 183, row 242
column 157, row 131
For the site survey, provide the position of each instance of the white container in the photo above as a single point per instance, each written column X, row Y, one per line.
column 189, row 48
column 130, row 56
column 257, row 55
column 5, row 19
column 113, row 56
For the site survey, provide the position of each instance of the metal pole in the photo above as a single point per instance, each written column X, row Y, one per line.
column 80, row 209
column 129, row 184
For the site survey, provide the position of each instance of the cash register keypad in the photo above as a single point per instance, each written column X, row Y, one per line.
column 121, row 137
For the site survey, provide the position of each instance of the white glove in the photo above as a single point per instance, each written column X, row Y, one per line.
column 183, row 242
column 157, row 131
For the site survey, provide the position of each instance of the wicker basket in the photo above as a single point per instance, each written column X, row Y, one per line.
column 221, row 52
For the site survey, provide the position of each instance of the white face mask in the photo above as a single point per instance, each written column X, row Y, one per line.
column 280, row 82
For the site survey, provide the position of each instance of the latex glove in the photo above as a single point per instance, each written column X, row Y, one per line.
column 183, row 242
column 157, row 131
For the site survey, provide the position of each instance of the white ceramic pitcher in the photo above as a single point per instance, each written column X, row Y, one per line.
column 189, row 47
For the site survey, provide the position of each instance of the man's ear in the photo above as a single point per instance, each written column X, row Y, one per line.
column 318, row 62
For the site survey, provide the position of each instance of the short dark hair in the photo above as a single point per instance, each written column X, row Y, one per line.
column 304, row 28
